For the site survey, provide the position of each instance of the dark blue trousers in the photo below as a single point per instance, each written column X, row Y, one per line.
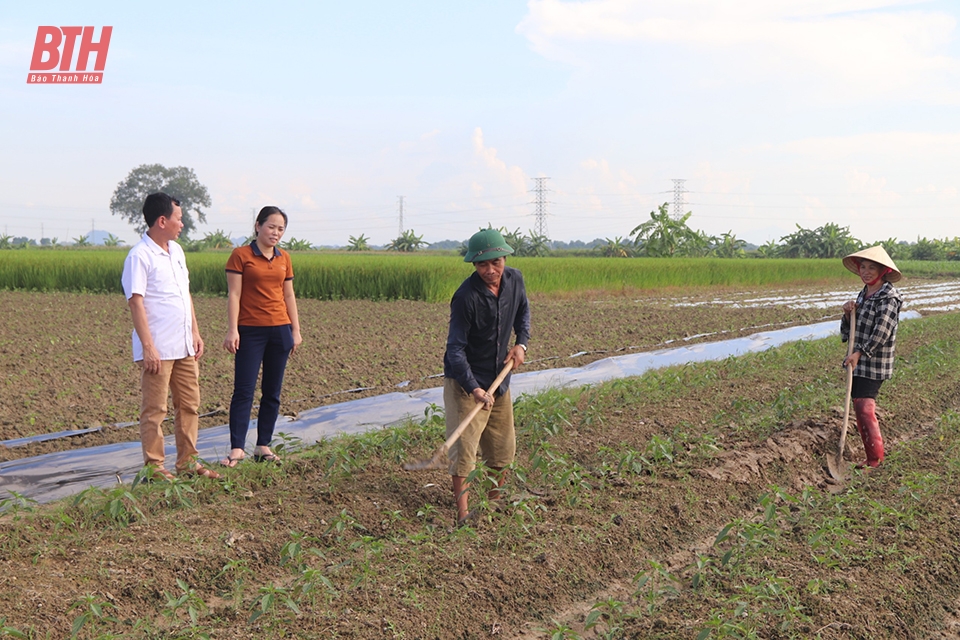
column 269, row 346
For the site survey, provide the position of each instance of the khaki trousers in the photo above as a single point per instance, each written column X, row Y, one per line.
column 490, row 432
column 182, row 379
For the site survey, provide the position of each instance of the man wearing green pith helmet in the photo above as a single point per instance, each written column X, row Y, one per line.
column 487, row 307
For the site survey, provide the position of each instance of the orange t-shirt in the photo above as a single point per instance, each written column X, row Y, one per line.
column 261, row 295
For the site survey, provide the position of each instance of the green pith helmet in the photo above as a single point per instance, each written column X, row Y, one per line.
column 487, row 244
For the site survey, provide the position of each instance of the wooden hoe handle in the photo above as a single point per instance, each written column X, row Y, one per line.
column 473, row 412
column 439, row 459
column 846, row 410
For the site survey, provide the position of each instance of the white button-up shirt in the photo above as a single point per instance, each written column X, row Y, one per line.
column 161, row 278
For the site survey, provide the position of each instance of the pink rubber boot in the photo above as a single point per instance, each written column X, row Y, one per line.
column 869, row 428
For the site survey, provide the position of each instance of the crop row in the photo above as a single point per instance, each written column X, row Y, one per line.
column 339, row 542
column 338, row 276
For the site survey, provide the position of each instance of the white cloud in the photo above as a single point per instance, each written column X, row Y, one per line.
column 852, row 49
column 891, row 143
column 871, row 189
column 513, row 175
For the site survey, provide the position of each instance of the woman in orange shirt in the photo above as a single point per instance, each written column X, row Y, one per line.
column 263, row 328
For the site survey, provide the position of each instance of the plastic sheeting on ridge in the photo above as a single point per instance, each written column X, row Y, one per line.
column 57, row 475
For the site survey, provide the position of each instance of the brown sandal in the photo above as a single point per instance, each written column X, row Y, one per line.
column 201, row 471
column 152, row 473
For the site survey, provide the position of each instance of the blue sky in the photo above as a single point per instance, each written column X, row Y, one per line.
column 775, row 114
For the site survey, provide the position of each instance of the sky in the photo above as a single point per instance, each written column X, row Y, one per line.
column 775, row 114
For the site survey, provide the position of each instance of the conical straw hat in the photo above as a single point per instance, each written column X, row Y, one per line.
column 877, row 254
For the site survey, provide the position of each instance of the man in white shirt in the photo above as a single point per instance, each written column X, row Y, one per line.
column 166, row 338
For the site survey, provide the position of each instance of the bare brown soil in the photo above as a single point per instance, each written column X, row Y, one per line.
column 66, row 358
column 397, row 567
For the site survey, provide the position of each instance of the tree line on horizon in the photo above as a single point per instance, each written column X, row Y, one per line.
column 666, row 236
column 662, row 236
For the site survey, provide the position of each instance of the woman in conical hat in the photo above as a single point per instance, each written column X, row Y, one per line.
column 878, row 311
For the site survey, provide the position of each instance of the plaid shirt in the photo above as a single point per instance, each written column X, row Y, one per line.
column 876, row 337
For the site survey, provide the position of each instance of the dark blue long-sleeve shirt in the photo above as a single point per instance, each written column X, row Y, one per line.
column 480, row 327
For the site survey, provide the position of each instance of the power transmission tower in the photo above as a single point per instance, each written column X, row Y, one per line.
column 540, row 212
column 678, row 192
column 400, row 198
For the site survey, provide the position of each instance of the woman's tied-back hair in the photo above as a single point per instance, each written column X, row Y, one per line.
column 268, row 211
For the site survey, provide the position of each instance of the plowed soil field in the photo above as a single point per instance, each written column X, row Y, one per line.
column 66, row 358
column 688, row 503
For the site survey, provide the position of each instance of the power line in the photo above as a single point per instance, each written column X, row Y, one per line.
column 858, row 194
column 807, row 206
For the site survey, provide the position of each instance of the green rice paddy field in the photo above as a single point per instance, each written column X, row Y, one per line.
column 432, row 278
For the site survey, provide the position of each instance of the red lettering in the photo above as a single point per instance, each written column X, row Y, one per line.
column 48, row 41
column 70, row 38
column 87, row 45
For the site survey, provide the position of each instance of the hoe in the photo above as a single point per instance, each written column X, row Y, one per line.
column 839, row 469
column 439, row 459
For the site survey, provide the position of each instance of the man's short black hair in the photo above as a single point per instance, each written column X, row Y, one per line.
column 156, row 205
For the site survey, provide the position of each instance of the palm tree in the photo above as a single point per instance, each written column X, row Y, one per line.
column 799, row 244
column 729, row 246
column 829, row 241
column 112, row 241
column 615, row 248
column 769, row 249
column 217, row 240
column 539, row 246
column 664, row 236
column 406, row 242
column 696, row 244
column 517, row 241
column 836, row 241
column 951, row 248
column 927, row 249
column 894, row 249
column 81, row 241
column 6, row 242
column 293, row 244
column 359, row 244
